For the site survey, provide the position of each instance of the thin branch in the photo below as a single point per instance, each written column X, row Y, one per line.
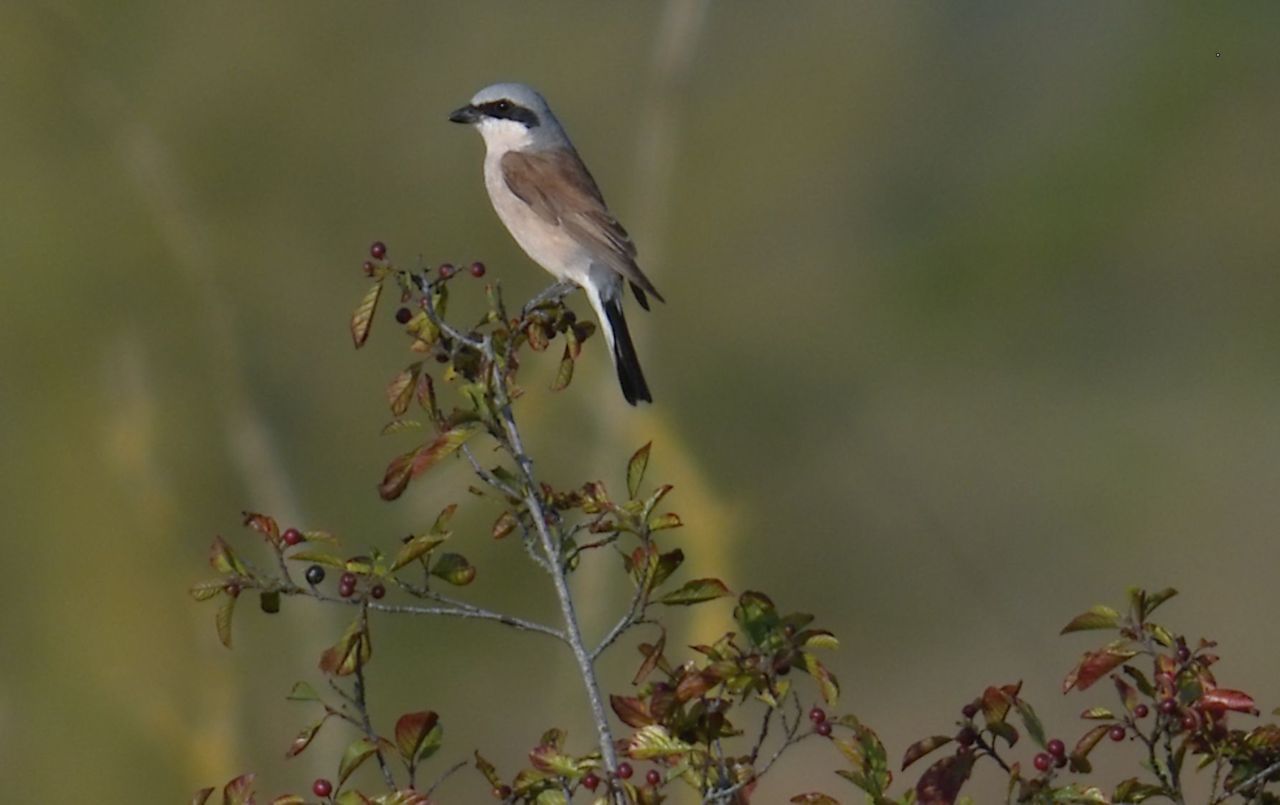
column 363, row 707
column 457, row 610
column 446, row 775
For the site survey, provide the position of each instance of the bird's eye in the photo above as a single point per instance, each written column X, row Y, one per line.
column 503, row 106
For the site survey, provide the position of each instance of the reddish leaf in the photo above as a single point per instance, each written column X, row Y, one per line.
column 304, row 738
column 202, row 796
column 923, row 747
column 694, row 684
column 400, row 389
column 239, row 791
column 1098, row 617
column 504, row 525
column 414, row 737
column 941, row 784
column 288, row 799
column 564, row 375
column 223, row 559
column 352, row 649
column 362, row 319
column 222, row 620
column 652, row 656
column 1080, row 754
column 1095, row 665
column 360, row 750
column 631, row 711
column 406, row 467
column 264, row 525
column 1221, row 699
column 814, row 798
column 486, row 768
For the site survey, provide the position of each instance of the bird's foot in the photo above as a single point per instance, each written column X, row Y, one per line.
column 551, row 295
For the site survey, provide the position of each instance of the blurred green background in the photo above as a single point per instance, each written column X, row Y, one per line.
column 973, row 322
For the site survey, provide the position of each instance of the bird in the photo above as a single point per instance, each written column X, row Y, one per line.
column 551, row 205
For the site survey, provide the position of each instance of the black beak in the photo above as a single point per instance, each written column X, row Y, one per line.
column 466, row 114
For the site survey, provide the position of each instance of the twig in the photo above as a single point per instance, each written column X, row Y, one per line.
column 363, row 707
column 446, row 775
column 457, row 610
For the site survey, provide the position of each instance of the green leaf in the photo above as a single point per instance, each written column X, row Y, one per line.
column 398, row 425
column 664, row 521
column 757, row 616
column 564, row 375
column 204, row 590
column 1132, row 790
column 415, row 548
column 362, row 319
column 819, row 638
column 319, row 558
column 360, row 750
column 666, row 565
column 1140, row 679
column 826, row 680
column 222, row 620
column 202, row 796
column 288, row 799
column 1080, row 754
column 455, row 569
column 302, row 692
column 635, row 469
column 1154, row 600
column 418, row 735
column 352, row 649
column 400, row 389
column 223, row 560
column 504, row 525
column 1097, row 617
column 1098, row 714
column 1031, row 721
column 406, row 467
column 923, row 747
column 654, row 741
column 486, row 768
column 696, row 592
column 304, row 738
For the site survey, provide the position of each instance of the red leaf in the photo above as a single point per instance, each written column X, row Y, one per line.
column 264, row 524
column 1094, row 666
column 406, row 467
column 1221, row 699
column 941, row 784
column 412, row 731
column 923, row 747
column 631, row 711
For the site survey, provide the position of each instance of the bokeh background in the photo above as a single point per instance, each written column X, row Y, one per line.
column 973, row 322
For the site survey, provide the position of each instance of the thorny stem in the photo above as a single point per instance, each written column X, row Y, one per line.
column 363, row 708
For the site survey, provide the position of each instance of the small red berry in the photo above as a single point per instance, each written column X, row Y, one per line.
column 502, row 792
column 625, row 771
column 1141, row 711
column 969, row 710
column 823, row 728
column 314, row 575
column 817, row 715
column 378, row 250
column 1168, row 706
column 477, row 269
column 322, row 787
column 1117, row 732
column 347, row 580
column 966, row 736
column 346, row 591
column 1060, row 761
column 378, row 591
column 653, row 777
column 591, row 782
column 447, row 270
column 1042, row 761
column 1189, row 721
column 403, row 315
column 291, row 536
column 369, row 268
column 1056, row 748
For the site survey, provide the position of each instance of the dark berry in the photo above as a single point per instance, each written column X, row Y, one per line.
column 447, row 270
column 817, row 715
column 378, row 591
column 653, row 777
column 1117, row 732
column 322, row 787
column 591, row 782
column 1141, row 711
column 1168, row 706
column 1042, row 761
column 1060, row 761
column 1189, row 721
column 232, row 590
column 315, row 575
column 969, row 710
column 1183, row 653
column 346, row 591
column 477, row 269
column 369, row 268
column 502, row 792
column 378, row 250
column 625, row 771
column 1056, row 748
column 403, row 315
column 966, row 736
column 823, row 728
column 347, row 580
column 291, row 536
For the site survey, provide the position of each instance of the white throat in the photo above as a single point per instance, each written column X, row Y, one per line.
column 501, row 136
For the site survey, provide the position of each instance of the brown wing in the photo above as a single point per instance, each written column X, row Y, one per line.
column 558, row 187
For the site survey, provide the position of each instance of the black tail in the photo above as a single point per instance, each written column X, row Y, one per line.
column 624, row 354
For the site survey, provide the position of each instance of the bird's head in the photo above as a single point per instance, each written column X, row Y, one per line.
column 511, row 116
